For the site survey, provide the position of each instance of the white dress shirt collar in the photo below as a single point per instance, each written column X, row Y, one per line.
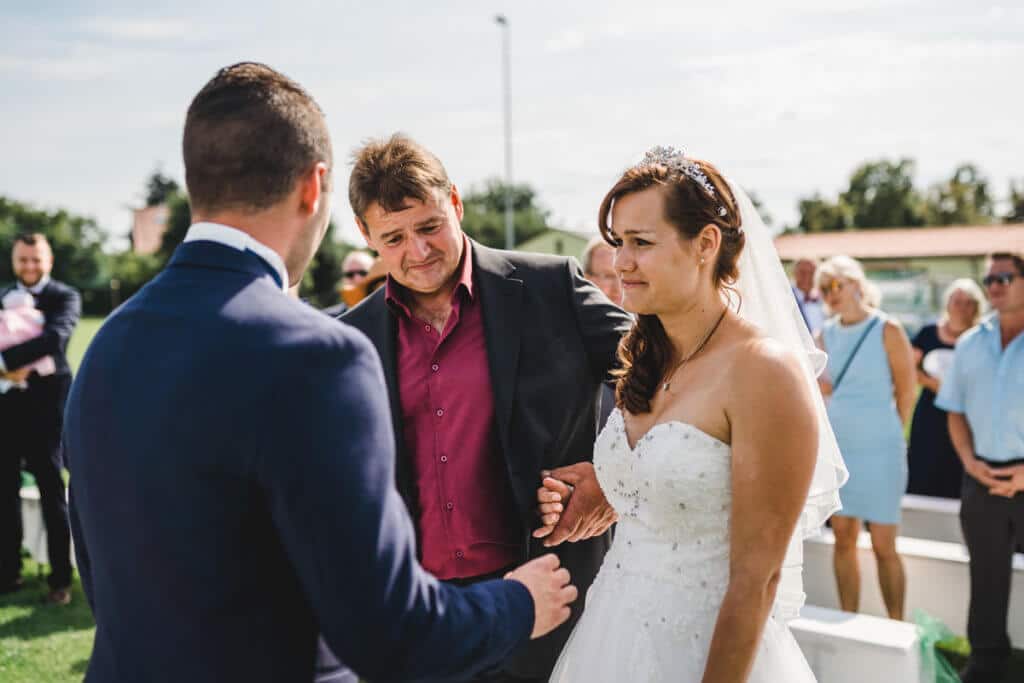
column 37, row 287
column 235, row 238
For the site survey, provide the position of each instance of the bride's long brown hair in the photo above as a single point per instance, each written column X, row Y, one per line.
column 646, row 351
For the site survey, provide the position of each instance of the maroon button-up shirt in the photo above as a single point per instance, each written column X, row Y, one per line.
column 468, row 523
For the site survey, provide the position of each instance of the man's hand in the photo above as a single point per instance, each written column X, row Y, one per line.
column 572, row 505
column 983, row 474
column 17, row 376
column 1010, row 481
column 550, row 589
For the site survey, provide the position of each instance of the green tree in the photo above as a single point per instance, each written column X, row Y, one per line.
column 1015, row 213
column 818, row 214
column 320, row 283
column 129, row 272
column 159, row 188
column 881, row 194
column 179, row 219
column 962, row 200
column 484, row 217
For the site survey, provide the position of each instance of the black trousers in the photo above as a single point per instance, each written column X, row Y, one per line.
column 993, row 527
column 30, row 427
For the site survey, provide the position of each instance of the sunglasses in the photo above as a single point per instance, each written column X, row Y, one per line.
column 831, row 286
column 349, row 274
column 1000, row 278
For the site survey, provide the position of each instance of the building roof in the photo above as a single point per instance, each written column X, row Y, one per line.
column 887, row 243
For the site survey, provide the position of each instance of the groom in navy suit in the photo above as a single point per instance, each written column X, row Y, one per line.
column 233, row 491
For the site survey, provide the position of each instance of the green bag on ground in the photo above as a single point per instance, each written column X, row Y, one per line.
column 931, row 632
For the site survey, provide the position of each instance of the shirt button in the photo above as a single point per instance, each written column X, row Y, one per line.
column 435, row 367
column 450, row 505
column 440, row 412
column 459, row 554
column 426, row 328
column 444, row 458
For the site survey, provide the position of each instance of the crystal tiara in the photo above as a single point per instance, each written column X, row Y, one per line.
column 674, row 160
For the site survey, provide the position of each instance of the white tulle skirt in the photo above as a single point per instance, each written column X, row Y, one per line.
column 644, row 630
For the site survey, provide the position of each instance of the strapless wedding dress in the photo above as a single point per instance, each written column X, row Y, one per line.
column 651, row 611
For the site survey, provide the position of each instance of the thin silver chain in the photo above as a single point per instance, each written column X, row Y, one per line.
column 668, row 380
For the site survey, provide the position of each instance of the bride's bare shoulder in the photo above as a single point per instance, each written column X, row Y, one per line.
column 756, row 359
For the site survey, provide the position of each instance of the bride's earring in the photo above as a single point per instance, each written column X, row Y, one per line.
column 702, row 260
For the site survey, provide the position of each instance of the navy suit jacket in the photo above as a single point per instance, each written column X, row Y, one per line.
column 233, row 496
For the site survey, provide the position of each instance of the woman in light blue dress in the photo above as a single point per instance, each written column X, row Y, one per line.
column 870, row 389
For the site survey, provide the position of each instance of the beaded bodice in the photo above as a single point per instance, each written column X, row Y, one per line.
column 672, row 493
column 652, row 611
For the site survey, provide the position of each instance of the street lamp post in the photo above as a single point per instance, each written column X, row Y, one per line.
column 510, row 228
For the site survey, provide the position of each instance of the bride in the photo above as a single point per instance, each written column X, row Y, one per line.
column 718, row 459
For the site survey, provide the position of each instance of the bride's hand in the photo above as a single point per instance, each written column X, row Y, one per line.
column 572, row 505
column 551, row 499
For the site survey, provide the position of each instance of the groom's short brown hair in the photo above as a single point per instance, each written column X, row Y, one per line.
column 391, row 171
column 250, row 133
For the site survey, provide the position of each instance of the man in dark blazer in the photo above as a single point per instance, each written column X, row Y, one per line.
column 30, row 419
column 494, row 362
column 233, row 492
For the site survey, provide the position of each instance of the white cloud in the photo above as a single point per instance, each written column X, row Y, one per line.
column 566, row 41
column 70, row 68
column 139, row 29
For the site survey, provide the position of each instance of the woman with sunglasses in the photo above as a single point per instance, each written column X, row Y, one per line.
column 935, row 468
column 870, row 390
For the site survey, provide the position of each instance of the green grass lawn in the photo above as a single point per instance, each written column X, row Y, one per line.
column 42, row 643
column 86, row 330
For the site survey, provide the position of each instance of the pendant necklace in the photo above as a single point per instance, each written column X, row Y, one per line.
column 680, row 364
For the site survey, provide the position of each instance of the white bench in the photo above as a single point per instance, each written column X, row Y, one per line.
column 936, row 519
column 852, row 648
column 34, row 531
column 938, row 581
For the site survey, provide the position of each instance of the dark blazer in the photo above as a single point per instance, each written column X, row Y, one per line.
column 233, row 495
column 62, row 307
column 551, row 339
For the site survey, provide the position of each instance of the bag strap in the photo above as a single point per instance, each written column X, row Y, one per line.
column 849, row 359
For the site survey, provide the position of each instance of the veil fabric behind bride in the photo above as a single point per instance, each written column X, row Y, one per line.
column 768, row 302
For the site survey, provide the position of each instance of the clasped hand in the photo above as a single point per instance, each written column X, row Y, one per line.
column 1000, row 481
column 572, row 506
column 1008, row 481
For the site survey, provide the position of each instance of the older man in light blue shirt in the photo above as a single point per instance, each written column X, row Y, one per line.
column 984, row 395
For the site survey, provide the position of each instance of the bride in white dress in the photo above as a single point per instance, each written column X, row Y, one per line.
column 718, row 460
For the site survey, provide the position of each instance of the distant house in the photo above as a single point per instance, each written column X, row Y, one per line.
column 555, row 241
column 912, row 266
column 148, row 226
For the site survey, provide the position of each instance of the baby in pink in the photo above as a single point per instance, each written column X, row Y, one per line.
column 20, row 321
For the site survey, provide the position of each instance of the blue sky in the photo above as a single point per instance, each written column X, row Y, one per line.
column 787, row 97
